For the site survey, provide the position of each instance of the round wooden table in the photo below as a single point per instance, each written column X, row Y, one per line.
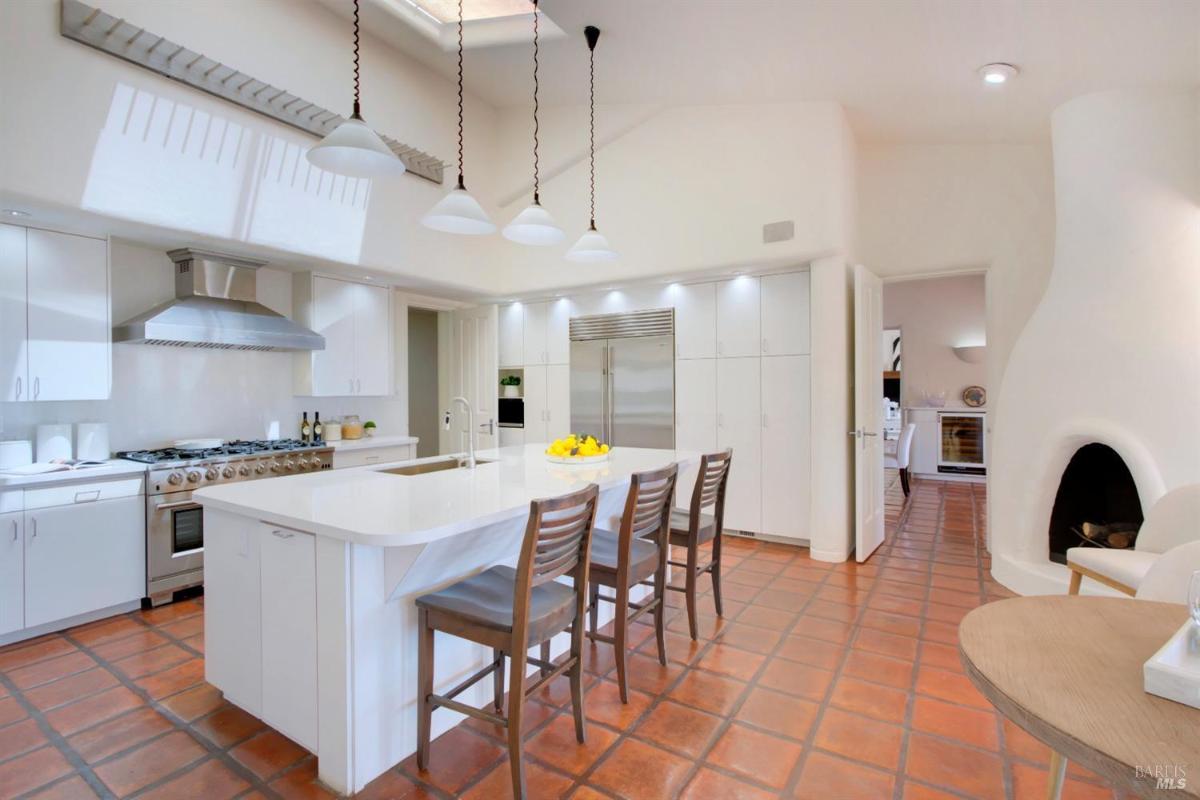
column 1069, row 671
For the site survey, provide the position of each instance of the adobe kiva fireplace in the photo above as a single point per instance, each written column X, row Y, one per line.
column 1097, row 504
column 1107, row 370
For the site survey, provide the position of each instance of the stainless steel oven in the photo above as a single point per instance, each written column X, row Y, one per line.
column 174, row 542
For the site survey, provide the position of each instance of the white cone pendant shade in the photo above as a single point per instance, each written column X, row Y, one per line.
column 534, row 226
column 353, row 149
column 592, row 248
column 458, row 212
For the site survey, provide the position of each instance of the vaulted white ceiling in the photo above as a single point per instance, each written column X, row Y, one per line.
column 904, row 69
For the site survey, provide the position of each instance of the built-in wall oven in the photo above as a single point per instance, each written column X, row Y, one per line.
column 962, row 442
column 511, row 412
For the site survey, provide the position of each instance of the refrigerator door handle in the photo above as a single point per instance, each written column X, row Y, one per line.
column 609, row 401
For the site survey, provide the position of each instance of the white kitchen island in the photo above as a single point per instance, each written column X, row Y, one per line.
column 310, row 580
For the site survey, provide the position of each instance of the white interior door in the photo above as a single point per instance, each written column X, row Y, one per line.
column 868, row 412
column 475, row 372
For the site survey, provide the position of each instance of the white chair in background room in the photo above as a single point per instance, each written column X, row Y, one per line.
column 899, row 460
column 1173, row 521
column 1169, row 578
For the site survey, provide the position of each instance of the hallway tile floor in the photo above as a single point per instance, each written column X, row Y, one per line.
column 822, row 681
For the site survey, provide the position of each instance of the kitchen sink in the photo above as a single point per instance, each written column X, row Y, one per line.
column 431, row 466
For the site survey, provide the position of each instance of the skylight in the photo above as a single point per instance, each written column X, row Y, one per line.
column 445, row 11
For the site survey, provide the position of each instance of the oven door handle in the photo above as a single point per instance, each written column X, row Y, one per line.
column 177, row 504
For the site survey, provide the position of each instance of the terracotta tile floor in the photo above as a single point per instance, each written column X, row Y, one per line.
column 822, row 681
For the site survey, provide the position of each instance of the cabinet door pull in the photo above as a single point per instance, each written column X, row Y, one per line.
column 764, row 420
column 352, row 386
column 14, row 522
column 358, row 386
column 37, row 388
column 33, row 522
column 282, row 534
column 764, row 345
column 87, row 497
column 720, row 347
column 18, row 387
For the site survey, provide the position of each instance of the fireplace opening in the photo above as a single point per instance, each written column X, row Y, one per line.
column 1097, row 504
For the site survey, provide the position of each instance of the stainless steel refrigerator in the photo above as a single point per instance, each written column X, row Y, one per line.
column 623, row 378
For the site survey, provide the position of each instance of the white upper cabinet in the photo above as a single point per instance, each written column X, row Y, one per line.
column 558, row 331
column 355, row 320
column 786, row 437
column 536, row 315
column 738, row 318
column 55, row 330
column 14, row 357
column 695, row 319
column 372, row 340
column 785, row 315
column 739, row 425
column 512, row 335
column 537, row 410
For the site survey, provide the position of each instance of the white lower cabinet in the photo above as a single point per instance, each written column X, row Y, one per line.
column 364, row 456
column 739, row 426
column 695, row 417
column 12, row 572
column 510, row 437
column 83, row 557
column 786, row 446
column 233, row 597
column 289, row 632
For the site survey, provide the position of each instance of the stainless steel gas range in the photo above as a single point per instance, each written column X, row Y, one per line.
column 175, row 523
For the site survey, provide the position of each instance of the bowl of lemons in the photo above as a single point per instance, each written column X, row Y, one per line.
column 578, row 448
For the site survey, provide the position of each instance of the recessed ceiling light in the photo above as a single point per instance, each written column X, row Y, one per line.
column 12, row 212
column 998, row 73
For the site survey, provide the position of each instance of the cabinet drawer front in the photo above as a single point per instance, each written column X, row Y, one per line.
column 13, row 500
column 372, row 455
column 83, row 558
column 80, row 493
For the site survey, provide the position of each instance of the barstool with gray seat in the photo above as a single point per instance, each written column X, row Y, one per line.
column 692, row 528
column 636, row 553
column 511, row 611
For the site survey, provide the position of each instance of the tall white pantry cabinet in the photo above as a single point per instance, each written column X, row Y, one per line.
column 742, row 380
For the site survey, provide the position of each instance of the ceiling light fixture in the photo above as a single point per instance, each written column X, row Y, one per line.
column 593, row 246
column 998, row 73
column 352, row 148
column 459, row 212
column 534, row 225
column 12, row 212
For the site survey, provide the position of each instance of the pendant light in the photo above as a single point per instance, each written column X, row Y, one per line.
column 534, row 225
column 593, row 246
column 353, row 149
column 458, row 212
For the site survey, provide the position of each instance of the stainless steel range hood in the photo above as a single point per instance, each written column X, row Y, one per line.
column 215, row 307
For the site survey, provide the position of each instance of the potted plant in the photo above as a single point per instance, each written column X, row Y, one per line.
column 509, row 386
column 369, row 428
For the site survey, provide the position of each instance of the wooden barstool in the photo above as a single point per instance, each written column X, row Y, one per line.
column 510, row 611
column 637, row 552
column 692, row 528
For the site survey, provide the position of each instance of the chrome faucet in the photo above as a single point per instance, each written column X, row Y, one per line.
column 470, row 462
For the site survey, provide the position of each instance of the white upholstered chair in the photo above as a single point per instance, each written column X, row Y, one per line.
column 1174, row 520
column 903, row 453
column 1168, row 580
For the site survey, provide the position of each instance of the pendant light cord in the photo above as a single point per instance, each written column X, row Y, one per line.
column 461, row 185
column 592, row 130
column 536, row 183
column 356, row 114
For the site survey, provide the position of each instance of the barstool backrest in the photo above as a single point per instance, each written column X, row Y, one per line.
column 710, row 485
column 557, row 537
column 647, row 510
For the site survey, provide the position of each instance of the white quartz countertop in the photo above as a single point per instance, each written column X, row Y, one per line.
column 369, row 442
column 112, row 468
column 368, row 506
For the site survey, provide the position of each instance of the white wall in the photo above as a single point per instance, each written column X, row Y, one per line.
column 941, row 208
column 935, row 315
column 160, row 394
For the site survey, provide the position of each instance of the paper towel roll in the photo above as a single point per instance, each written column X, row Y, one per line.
column 53, row 441
column 91, row 441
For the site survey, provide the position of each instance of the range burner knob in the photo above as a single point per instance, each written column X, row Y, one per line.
column 175, row 478
column 228, row 472
column 193, row 476
column 302, row 463
column 289, row 465
column 261, row 468
column 244, row 470
column 211, row 474
column 275, row 466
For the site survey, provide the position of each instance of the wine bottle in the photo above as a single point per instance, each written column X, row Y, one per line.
column 318, row 430
column 306, row 430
